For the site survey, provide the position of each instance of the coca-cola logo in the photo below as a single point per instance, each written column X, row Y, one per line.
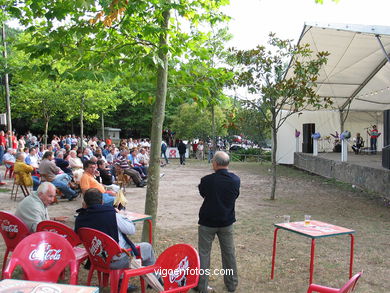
column 44, row 256
column 97, row 249
column 172, row 153
column 179, row 274
column 56, row 231
column 11, row 230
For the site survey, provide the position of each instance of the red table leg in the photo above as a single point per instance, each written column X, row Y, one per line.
column 313, row 247
column 351, row 256
column 274, row 253
column 150, row 231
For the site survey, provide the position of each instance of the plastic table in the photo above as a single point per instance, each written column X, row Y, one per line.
column 314, row 230
column 136, row 217
column 11, row 285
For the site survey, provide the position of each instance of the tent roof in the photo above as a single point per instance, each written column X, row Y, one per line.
column 357, row 74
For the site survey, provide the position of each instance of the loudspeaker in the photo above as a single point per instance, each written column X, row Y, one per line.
column 386, row 158
column 307, row 144
column 386, row 128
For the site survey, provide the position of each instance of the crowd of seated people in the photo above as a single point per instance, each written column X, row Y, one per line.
column 61, row 160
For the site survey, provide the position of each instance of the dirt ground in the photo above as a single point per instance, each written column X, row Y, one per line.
column 298, row 193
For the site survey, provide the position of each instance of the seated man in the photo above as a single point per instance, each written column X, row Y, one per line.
column 359, row 143
column 9, row 156
column 106, row 150
column 86, row 155
column 124, row 164
column 32, row 158
column 106, row 177
column 22, row 173
column 50, row 172
column 143, row 157
column 104, row 218
column 111, row 156
column 88, row 181
column 136, row 165
column 63, row 164
column 33, row 208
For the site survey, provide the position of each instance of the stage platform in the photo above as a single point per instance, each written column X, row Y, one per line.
column 362, row 170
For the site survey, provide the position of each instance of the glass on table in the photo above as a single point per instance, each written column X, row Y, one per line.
column 307, row 220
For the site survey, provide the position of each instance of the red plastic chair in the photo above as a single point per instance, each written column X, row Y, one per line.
column 43, row 256
column 101, row 249
column 9, row 169
column 348, row 287
column 13, row 231
column 181, row 261
column 68, row 233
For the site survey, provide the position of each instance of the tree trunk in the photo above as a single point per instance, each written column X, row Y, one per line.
column 214, row 139
column 46, row 130
column 103, row 126
column 274, row 148
column 82, row 123
column 151, row 202
column 6, row 86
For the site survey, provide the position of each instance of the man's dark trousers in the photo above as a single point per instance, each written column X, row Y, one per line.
column 206, row 236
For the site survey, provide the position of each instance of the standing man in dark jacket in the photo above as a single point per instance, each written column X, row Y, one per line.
column 182, row 147
column 216, row 216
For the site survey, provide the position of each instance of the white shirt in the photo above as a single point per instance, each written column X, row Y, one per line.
column 33, row 160
column 8, row 157
column 126, row 227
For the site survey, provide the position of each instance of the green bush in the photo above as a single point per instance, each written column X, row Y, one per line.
column 250, row 155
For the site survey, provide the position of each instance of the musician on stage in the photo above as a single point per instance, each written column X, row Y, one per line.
column 374, row 134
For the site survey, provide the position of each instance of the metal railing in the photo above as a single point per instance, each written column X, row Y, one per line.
column 249, row 157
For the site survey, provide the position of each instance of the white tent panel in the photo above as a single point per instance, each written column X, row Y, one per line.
column 357, row 70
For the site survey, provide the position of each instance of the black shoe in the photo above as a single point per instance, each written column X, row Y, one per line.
column 160, row 280
column 132, row 288
column 141, row 184
column 73, row 197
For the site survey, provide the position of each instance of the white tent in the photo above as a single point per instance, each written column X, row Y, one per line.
column 356, row 76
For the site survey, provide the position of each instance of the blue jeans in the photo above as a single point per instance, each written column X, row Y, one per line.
column 164, row 153
column 141, row 170
column 211, row 155
column 61, row 181
column 108, row 199
column 1, row 154
column 36, row 182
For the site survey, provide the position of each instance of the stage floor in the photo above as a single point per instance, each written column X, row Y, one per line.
column 367, row 160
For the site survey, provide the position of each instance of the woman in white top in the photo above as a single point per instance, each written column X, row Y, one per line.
column 76, row 165
column 74, row 161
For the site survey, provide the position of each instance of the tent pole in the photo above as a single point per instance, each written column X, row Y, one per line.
column 341, row 112
column 6, row 84
column 383, row 48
